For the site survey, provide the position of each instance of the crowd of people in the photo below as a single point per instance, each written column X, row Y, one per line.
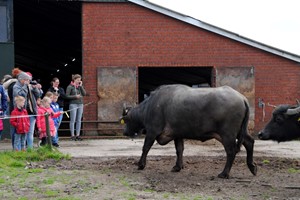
column 24, row 103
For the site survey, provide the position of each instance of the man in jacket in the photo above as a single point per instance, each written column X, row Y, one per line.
column 31, row 94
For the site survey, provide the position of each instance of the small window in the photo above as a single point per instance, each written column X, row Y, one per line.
column 3, row 24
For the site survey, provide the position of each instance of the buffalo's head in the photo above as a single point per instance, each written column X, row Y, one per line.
column 283, row 126
column 132, row 121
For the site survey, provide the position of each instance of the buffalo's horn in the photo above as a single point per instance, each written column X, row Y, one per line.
column 293, row 111
column 271, row 105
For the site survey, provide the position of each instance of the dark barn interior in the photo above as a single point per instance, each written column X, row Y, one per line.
column 47, row 36
column 152, row 77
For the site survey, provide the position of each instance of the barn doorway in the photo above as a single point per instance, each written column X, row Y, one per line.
column 47, row 38
column 48, row 42
column 149, row 78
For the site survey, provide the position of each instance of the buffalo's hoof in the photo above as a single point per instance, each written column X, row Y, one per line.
column 176, row 169
column 253, row 168
column 141, row 167
column 223, row 175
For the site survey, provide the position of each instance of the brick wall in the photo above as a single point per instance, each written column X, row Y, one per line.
column 124, row 34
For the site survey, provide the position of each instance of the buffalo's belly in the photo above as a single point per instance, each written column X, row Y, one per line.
column 202, row 137
column 190, row 131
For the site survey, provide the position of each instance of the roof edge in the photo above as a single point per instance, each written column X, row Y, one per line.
column 217, row 30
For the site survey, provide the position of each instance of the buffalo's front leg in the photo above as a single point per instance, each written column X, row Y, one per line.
column 179, row 145
column 148, row 142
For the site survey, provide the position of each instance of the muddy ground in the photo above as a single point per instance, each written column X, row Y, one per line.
column 114, row 175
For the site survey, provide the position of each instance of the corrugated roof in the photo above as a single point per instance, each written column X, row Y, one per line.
column 217, row 30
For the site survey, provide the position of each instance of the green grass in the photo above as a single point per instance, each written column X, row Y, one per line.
column 129, row 195
column 266, row 162
column 51, row 193
column 13, row 159
column 15, row 171
column 293, row 171
column 13, row 163
column 124, row 181
column 49, row 181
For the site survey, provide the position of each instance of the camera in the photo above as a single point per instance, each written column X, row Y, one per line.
column 33, row 82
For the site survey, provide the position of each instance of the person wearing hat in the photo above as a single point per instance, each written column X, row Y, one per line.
column 31, row 94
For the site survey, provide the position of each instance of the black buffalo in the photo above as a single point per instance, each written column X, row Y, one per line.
column 178, row 112
column 283, row 126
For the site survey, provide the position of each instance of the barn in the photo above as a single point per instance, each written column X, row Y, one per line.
column 126, row 48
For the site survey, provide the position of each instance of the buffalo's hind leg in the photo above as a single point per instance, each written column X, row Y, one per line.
column 179, row 145
column 148, row 142
column 249, row 145
column 230, row 148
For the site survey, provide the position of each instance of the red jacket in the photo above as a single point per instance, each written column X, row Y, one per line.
column 21, row 124
column 41, row 121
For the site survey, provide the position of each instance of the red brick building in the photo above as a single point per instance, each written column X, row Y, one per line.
column 133, row 46
column 126, row 48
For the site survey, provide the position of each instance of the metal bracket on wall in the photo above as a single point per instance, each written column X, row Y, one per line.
column 261, row 104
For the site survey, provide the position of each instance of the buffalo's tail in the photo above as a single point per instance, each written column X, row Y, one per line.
column 244, row 128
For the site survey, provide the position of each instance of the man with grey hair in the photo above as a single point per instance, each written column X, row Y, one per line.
column 31, row 94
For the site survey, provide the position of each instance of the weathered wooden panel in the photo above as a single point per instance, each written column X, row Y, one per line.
column 116, row 86
column 242, row 80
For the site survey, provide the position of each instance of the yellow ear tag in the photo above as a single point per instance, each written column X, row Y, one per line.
column 299, row 119
column 122, row 121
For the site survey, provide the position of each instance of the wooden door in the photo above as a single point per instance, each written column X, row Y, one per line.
column 241, row 79
column 116, row 86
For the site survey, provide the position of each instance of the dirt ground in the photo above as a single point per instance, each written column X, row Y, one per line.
column 106, row 169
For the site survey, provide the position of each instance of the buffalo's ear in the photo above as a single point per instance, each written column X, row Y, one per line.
column 125, row 111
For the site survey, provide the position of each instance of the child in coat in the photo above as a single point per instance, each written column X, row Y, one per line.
column 41, row 122
column 55, row 107
column 20, row 120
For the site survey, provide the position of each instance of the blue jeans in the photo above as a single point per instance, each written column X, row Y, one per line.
column 76, row 111
column 0, row 134
column 19, row 142
column 12, row 135
column 55, row 137
column 29, row 135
